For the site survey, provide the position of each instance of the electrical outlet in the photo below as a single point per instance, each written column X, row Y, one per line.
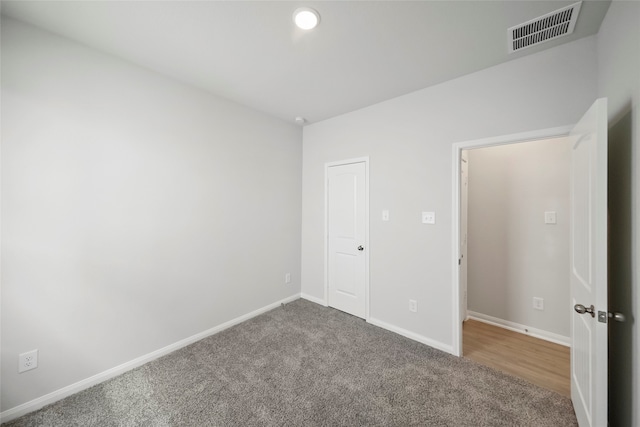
column 413, row 305
column 287, row 278
column 538, row 303
column 428, row 217
column 27, row 361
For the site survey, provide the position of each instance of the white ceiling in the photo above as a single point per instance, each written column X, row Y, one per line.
column 362, row 52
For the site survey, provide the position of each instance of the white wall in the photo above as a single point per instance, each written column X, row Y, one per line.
column 409, row 143
column 136, row 211
column 513, row 255
column 619, row 80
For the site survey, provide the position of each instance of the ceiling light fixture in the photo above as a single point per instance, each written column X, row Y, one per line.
column 306, row 18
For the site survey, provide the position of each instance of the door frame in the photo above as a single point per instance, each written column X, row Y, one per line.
column 464, row 287
column 455, row 255
column 327, row 165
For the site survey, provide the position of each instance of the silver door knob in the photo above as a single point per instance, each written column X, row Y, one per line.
column 360, row 248
column 618, row 317
column 579, row 308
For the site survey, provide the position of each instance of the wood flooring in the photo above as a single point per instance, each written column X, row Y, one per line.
column 538, row 361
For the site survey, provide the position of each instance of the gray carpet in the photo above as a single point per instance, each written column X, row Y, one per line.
column 307, row 365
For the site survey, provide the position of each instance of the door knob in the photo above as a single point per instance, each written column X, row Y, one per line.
column 360, row 248
column 579, row 308
column 618, row 317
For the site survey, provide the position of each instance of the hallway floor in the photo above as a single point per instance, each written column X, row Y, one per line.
column 538, row 361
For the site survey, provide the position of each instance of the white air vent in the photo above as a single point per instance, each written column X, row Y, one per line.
column 547, row 27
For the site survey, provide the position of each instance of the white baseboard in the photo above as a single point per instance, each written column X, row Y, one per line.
column 412, row 335
column 35, row 404
column 313, row 299
column 523, row 329
column 392, row 328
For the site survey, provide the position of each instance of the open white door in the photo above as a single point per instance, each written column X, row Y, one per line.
column 589, row 266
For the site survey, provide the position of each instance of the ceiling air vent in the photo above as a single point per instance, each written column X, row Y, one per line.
column 547, row 27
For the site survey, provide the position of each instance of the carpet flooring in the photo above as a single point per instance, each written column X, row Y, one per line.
column 307, row 365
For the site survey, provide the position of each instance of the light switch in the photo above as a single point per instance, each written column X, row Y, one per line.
column 428, row 217
column 550, row 217
column 385, row 215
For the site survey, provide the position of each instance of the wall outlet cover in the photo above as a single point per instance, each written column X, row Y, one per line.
column 428, row 217
column 27, row 361
column 538, row 303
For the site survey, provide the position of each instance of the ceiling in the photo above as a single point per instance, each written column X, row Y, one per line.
column 363, row 52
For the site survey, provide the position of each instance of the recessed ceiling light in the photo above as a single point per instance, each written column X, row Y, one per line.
column 306, row 18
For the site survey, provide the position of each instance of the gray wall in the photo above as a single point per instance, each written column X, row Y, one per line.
column 409, row 140
column 619, row 80
column 513, row 255
column 136, row 211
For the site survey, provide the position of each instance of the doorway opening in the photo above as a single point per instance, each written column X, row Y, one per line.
column 588, row 253
column 513, row 254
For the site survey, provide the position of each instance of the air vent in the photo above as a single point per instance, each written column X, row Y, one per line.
column 547, row 27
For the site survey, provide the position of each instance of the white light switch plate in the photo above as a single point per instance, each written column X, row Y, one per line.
column 385, row 215
column 550, row 217
column 428, row 217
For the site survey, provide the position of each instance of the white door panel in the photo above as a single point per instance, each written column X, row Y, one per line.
column 347, row 216
column 589, row 266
